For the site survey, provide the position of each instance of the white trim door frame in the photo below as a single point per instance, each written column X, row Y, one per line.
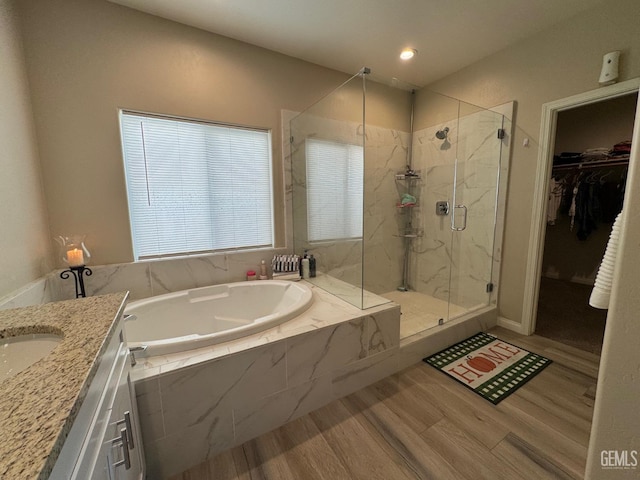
column 543, row 172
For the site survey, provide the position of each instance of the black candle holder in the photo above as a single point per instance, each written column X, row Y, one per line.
column 78, row 273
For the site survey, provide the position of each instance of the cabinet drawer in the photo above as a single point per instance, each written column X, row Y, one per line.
column 122, row 442
column 92, row 457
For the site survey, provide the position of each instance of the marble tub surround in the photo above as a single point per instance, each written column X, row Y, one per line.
column 155, row 277
column 39, row 404
column 43, row 290
column 326, row 311
column 195, row 410
column 196, row 405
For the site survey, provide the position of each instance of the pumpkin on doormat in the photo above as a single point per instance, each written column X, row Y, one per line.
column 480, row 363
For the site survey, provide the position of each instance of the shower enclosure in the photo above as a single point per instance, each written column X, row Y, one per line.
column 395, row 193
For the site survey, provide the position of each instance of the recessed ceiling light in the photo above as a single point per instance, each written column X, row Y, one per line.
column 408, row 53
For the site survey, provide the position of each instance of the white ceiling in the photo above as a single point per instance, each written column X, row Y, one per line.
column 347, row 35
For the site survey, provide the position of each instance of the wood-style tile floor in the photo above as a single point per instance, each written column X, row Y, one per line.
column 421, row 424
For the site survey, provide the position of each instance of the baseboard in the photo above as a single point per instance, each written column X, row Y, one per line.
column 512, row 325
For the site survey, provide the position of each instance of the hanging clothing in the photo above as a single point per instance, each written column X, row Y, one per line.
column 572, row 208
column 556, row 190
column 588, row 212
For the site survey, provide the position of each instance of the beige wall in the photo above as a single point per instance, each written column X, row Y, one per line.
column 87, row 58
column 25, row 247
column 559, row 62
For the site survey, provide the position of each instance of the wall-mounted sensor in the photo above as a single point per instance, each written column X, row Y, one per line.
column 609, row 73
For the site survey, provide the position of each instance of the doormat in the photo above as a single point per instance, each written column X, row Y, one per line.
column 491, row 367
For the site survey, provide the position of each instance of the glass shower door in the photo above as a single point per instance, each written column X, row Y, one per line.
column 473, row 209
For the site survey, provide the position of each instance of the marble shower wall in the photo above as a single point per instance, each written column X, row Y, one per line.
column 385, row 156
column 447, row 264
column 375, row 261
column 430, row 258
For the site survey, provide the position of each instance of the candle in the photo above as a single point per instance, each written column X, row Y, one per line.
column 75, row 257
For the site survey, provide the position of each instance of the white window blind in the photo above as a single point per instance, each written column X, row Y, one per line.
column 196, row 187
column 334, row 190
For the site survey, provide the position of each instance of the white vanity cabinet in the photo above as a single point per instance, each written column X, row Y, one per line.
column 105, row 442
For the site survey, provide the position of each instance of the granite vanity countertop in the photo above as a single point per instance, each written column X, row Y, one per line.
column 39, row 404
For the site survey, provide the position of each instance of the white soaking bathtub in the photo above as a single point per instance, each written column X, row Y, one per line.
column 179, row 321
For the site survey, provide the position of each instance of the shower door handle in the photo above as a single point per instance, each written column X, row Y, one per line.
column 454, row 226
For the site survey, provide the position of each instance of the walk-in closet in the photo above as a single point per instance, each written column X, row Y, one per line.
column 586, row 191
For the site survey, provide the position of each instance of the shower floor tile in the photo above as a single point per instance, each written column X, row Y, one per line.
column 352, row 294
column 421, row 312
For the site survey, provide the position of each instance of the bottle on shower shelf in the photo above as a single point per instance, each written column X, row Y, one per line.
column 263, row 271
column 304, row 266
column 312, row 266
column 300, row 264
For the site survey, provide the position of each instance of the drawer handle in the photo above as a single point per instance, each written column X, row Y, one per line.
column 127, row 423
column 122, row 441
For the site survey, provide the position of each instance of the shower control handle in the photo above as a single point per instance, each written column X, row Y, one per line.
column 454, row 226
column 442, row 208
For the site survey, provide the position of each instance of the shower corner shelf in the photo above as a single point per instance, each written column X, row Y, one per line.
column 411, row 234
column 404, row 176
column 406, row 205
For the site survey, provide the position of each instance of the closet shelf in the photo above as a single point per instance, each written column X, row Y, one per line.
column 624, row 160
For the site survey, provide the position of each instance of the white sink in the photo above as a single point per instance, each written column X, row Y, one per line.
column 21, row 351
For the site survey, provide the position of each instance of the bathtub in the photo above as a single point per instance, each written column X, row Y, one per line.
column 205, row 316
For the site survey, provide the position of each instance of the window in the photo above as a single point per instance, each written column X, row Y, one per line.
column 334, row 190
column 196, row 187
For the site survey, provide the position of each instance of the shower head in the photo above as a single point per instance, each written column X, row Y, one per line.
column 442, row 134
